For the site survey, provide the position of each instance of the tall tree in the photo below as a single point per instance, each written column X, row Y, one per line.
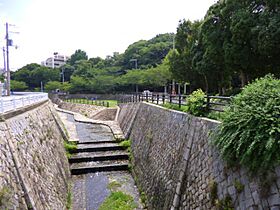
column 77, row 56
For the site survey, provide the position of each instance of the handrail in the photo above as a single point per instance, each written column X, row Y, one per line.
column 14, row 102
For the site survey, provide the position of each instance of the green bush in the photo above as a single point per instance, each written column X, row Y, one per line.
column 250, row 132
column 195, row 103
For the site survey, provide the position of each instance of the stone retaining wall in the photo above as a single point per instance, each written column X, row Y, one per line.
column 177, row 168
column 91, row 111
column 34, row 168
column 117, row 97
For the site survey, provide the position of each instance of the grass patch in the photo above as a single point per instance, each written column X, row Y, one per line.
column 215, row 115
column 114, row 185
column 118, row 201
column 107, row 103
column 69, row 147
column 125, row 143
column 183, row 108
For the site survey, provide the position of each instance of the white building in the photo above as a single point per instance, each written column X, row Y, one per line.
column 56, row 61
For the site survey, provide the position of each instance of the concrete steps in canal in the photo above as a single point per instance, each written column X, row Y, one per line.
column 98, row 156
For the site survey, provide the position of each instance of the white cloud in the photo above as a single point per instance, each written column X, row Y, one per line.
column 98, row 27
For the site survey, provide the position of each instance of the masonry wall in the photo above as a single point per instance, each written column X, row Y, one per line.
column 34, row 167
column 177, row 168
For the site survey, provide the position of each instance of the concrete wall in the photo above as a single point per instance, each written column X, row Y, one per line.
column 176, row 166
column 34, row 168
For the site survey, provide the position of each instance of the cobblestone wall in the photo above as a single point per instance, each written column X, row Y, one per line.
column 11, row 192
column 177, row 168
column 35, row 167
column 126, row 117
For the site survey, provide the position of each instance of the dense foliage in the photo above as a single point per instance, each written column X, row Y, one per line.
column 250, row 132
column 33, row 74
column 236, row 42
column 140, row 66
column 18, row 86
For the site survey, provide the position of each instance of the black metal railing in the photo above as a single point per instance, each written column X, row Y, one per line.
column 212, row 103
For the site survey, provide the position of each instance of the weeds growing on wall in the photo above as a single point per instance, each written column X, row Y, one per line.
column 69, row 147
column 127, row 144
column 4, row 196
column 250, row 132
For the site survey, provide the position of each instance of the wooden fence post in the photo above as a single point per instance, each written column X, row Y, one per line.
column 157, row 98
column 207, row 103
column 180, row 101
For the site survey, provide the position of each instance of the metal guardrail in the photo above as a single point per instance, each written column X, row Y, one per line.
column 19, row 100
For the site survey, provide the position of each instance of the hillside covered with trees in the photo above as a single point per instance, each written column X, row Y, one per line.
column 236, row 42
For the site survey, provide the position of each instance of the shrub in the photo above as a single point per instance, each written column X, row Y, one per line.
column 195, row 103
column 250, row 132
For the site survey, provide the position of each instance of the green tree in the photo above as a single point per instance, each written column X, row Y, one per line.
column 44, row 75
column 77, row 56
column 34, row 74
column 52, row 85
column 79, row 85
column 18, row 85
column 55, row 85
column 149, row 53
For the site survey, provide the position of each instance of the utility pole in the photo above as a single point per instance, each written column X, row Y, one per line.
column 8, row 43
column 62, row 74
column 4, row 59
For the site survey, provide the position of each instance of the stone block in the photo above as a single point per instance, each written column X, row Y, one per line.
column 249, row 203
column 231, row 190
column 274, row 200
column 256, row 197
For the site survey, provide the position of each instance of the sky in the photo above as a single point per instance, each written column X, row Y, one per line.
column 99, row 27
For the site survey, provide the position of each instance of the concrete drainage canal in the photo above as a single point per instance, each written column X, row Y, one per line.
column 99, row 168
